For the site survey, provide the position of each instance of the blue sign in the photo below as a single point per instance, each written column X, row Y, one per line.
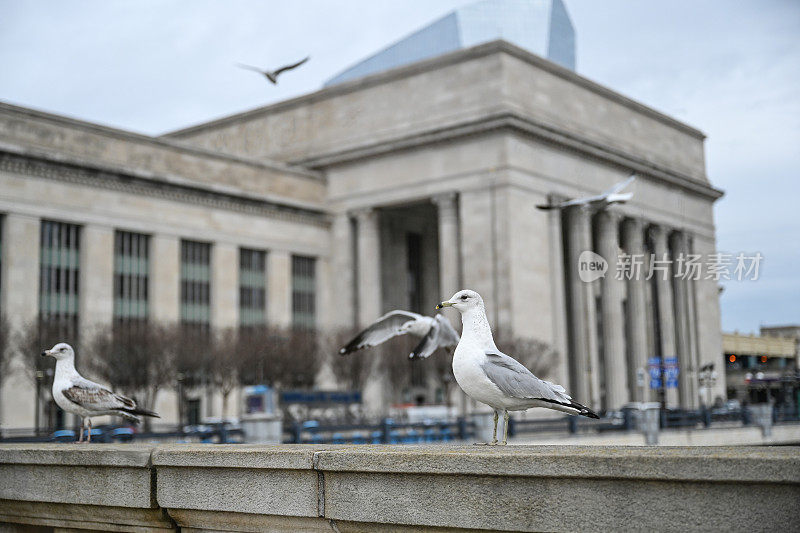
column 671, row 372
column 666, row 375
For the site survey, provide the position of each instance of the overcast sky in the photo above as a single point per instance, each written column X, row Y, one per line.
column 730, row 68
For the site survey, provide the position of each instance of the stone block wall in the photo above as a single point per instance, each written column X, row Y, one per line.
column 396, row 488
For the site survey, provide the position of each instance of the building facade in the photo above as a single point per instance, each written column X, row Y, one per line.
column 388, row 191
column 763, row 368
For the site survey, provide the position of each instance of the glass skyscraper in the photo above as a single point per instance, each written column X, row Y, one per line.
column 540, row 26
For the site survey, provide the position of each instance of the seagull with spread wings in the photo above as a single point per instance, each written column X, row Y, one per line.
column 77, row 395
column 494, row 378
column 614, row 195
column 272, row 75
column 435, row 331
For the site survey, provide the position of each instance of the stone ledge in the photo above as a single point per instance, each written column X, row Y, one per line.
column 760, row 464
column 397, row 488
column 136, row 455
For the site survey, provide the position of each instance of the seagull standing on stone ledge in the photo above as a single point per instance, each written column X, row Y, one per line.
column 79, row 396
column 491, row 377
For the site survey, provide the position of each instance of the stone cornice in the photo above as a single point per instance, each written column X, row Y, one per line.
column 161, row 142
column 515, row 121
column 32, row 163
column 444, row 60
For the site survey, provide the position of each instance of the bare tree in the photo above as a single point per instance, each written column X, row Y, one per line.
column 442, row 364
column 401, row 371
column 226, row 364
column 279, row 357
column 28, row 343
column 5, row 348
column 352, row 370
column 297, row 354
column 5, row 353
column 136, row 358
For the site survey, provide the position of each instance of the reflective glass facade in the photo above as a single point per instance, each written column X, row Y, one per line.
column 540, row 26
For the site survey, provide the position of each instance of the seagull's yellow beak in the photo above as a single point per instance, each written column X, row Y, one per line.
column 444, row 304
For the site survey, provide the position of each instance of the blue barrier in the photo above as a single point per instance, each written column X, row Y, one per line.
column 387, row 432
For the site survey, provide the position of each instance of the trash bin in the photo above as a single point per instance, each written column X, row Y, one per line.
column 644, row 417
column 761, row 414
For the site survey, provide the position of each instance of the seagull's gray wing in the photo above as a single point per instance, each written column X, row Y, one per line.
column 440, row 335
column 388, row 326
column 620, row 186
column 93, row 397
column 250, row 67
column 587, row 200
column 290, row 67
column 516, row 381
column 448, row 336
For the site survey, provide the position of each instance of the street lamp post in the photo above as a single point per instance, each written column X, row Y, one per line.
column 37, row 408
column 708, row 378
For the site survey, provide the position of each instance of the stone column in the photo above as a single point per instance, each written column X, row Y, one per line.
column 224, row 285
column 165, row 268
column 449, row 253
column 614, row 360
column 558, row 291
column 636, row 323
column 450, row 274
column 19, row 279
column 369, row 295
column 694, row 349
column 279, row 288
column 96, row 278
column 679, row 248
column 582, row 328
column 666, row 309
column 343, row 291
column 369, row 267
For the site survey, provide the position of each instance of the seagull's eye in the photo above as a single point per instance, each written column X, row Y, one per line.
column 63, row 350
column 464, row 297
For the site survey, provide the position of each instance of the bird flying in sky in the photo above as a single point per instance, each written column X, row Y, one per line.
column 435, row 331
column 614, row 195
column 272, row 75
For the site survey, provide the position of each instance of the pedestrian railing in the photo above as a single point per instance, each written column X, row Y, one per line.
column 387, row 432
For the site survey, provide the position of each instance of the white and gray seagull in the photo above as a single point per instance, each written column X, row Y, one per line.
column 492, row 377
column 77, row 395
column 272, row 75
column 614, row 195
column 435, row 331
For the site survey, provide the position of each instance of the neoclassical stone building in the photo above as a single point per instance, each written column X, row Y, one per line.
column 387, row 191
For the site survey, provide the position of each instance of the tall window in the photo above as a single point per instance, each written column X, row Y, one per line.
column 131, row 265
column 303, row 292
column 252, row 287
column 58, row 277
column 195, row 283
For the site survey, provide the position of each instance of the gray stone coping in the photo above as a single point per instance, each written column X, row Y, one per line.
column 754, row 464
column 122, row 455
column 200, row 487
column 257, row 456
